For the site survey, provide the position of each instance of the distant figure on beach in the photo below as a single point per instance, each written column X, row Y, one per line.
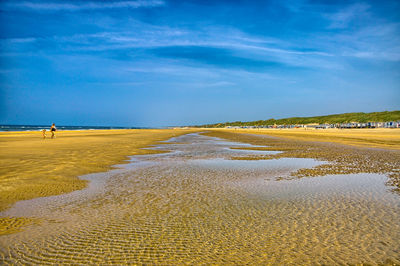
column 44, row 133
column 53, row 130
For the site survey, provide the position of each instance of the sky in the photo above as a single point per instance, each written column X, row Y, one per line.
column 154, row 63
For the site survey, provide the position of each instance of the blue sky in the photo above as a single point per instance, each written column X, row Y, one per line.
column 163, row 63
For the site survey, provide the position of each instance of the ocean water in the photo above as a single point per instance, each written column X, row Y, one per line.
column 41, row 127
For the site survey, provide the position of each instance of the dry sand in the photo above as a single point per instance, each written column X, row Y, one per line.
column 33, row 167
column 350, row 152
column 387, row 138
column 197, row 206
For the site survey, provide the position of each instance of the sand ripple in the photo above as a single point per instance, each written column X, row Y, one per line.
column 180, row 210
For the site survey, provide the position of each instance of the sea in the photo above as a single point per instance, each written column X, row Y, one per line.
column 41, row 127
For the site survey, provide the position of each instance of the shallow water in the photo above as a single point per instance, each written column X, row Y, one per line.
column 258, row 152
column 195, row 205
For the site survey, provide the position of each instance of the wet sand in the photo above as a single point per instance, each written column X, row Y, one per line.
column 386, row 138
column 31, row 166
column 195, row 205
column 340, row 158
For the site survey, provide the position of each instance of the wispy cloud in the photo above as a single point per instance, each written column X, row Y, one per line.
column 375, row 42
column 115, row 40
column 144, row 36
column 219, row 57
column 219, row 84
column 19, row 40
column 167, row 56
column 344, row 17
column 54, row 6
column 244, row 48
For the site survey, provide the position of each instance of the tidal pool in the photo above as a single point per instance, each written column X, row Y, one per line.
column 258, row 152
column 196, row 206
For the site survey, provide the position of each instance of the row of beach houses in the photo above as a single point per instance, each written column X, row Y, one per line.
column 392, row 124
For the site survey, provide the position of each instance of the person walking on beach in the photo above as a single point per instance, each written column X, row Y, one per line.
column 44, row 133
column 53, row 130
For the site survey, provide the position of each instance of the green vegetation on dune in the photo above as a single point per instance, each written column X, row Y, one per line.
column 326, row 119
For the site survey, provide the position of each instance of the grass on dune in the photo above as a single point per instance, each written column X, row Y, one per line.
column 385, row 116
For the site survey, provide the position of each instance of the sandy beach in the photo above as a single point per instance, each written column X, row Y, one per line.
column 218, row 196
column 386, row 138
column 199, row 132
column 348, row 151
column 35, row 167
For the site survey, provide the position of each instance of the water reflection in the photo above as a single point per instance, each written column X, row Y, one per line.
column 196, row 206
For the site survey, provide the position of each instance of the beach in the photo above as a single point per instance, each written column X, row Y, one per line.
column 35, row 167
column 199, row 132
column 347, row 151
column 386, row 138
column 204, row 197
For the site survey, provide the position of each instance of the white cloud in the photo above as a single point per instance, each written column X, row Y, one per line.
column 149, row 36
column 84, row 6
column 19, row 40
column 218, row 84
column 378, row 42
column 169, row 67
column 344, row 17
